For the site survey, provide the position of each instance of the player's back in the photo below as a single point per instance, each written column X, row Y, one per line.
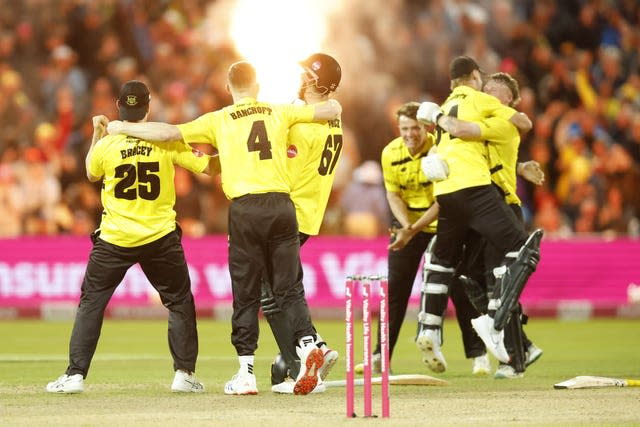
column 251, row 138
column 503, row 157
column 138, row 192
column 466, row 159
column 314, row 150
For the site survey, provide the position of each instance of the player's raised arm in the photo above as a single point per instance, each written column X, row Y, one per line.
column 431, row 113
column 521, row 121
column 327, row 111
column 150, row 131
column 99, row 130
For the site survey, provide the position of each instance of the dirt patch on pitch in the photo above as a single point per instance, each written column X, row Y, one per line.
column 410, row 406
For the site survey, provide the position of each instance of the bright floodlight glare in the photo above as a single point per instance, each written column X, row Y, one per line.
column 274, row 35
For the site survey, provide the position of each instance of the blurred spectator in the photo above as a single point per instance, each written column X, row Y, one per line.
column 188, row 207
column 17, row 111
column 40, row 192
column 577, row 62
column 365, row 212
column 62, row 71
column 11, row 198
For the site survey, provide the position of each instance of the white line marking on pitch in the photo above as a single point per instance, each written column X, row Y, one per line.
column 103, row 357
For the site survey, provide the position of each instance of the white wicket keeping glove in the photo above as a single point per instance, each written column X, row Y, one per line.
column 434, row 167
column 429, row 112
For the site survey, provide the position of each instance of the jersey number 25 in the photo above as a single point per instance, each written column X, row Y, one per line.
column 148, row 182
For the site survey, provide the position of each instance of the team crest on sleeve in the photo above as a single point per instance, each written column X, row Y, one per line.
column 292, row 151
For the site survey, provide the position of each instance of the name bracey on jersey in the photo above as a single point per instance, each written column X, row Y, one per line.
column 243, row 112
column 134, row 151
column 335, row 123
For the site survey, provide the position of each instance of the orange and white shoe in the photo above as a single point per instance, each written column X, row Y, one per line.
column 312, row 359
column 330, row 358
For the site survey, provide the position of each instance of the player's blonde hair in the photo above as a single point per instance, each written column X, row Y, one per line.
column 410, row 109
column 241, row 75
column 510, row 83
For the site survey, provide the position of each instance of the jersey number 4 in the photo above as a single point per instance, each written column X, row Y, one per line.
column 330, row 154
column 148, row 182
column 259, row 141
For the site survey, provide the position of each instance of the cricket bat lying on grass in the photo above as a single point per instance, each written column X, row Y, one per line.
column 586, row 381
column 407, row 379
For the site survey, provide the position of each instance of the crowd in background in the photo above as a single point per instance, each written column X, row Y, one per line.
column 577, row 62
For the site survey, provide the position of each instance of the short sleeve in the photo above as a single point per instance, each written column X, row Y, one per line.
column 390, row 183
column 199, row 130
column 189, row 158
column 299, row 113
column 495, row 129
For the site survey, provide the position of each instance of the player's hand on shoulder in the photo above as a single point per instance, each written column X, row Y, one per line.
column 336, row 106
column 428, row 112
column 114, row 127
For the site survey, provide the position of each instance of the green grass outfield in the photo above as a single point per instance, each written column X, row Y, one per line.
column 129, row 380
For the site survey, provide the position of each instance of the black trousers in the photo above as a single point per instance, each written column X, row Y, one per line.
column 482, row 210
column 402, row 269
column 480, row 258
column 164, row 264
column 263, row 242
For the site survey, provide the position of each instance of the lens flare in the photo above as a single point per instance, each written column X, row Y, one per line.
column 274, row 35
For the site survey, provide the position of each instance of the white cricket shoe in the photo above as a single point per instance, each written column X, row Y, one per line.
column 533, row 354
column 494, row 340
column 184, row 382
column 67, row 384
column 330, row 358
column 241, row 383
column 507, row 371
column 376, row 365
column 428, row 342
column 481, row 365
column 286, row 387
column 311, row 360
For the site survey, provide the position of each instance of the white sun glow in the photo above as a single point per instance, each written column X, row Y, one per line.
column 274, row 35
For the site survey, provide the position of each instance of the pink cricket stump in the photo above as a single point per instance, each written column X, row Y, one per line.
column 384, row 345
column 349, row 344
column 366, row 332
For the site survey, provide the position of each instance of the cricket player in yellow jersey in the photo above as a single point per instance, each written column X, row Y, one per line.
column 138, row 226
column 251, row 139
column 503, row 144
column 314, row 151
column 410, row 197
column 468, row 201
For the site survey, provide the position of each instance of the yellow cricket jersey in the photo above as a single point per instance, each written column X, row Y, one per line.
column 314, row 150
column 138, row 192
column 251, row 138
column 503, row 141
column 403, row 175
column 467, row 159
